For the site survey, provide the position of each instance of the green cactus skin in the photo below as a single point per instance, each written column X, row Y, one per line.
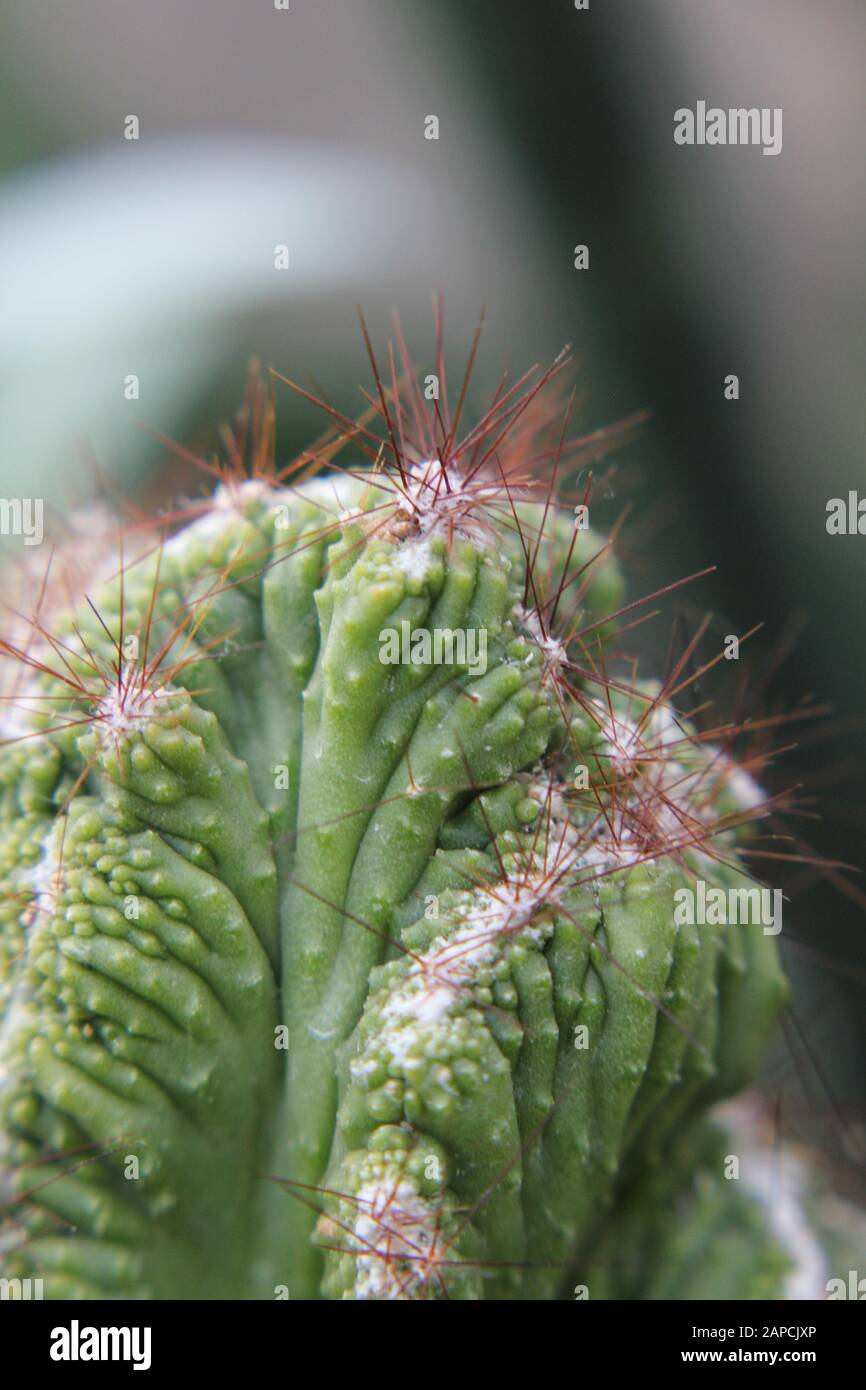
column 324, row 976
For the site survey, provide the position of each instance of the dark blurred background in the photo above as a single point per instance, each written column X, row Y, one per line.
column 306, row 127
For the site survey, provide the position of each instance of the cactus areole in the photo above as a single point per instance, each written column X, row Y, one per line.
column 339, row 952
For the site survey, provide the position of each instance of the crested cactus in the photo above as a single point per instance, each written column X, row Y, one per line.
column 340, row 953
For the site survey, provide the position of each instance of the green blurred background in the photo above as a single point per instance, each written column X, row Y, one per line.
column 305, row 127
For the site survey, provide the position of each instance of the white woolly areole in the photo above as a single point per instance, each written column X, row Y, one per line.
column 577, row 847
column 126, row 706
column 553, row 651
column 424, row 998
column 413, row 558
column 397, row 1230
column 675, row 779
column 440, row 499
column 227, row 504
column 46, row 876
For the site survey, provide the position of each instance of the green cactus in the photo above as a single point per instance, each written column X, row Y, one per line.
column 326, row 974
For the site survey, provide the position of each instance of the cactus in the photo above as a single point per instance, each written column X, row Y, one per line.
column 328, row 973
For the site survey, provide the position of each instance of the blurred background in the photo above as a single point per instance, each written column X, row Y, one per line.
column 305, row 127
